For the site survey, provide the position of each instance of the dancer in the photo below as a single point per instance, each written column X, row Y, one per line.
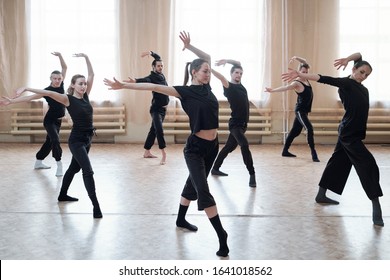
column 304, row 91
column 350, row 149
column 201, row 148
column 158, row 107
column 237, row 96
column 53, row 120
column 81, row 112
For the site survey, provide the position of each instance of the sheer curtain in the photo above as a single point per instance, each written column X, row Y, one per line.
column 224, row 29
column 69, row 27
column 364, row 28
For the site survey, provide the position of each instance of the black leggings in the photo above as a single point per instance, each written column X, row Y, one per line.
column 52, row 143
column 79, row 145
column 236, row 137
column 199, row 155
column 301, row 121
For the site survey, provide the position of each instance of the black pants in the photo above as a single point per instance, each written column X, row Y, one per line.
column 235, row 138
column 52, row 143
column 199, row 155
column 346, row 154
column 301, row 121
column 156, row 129
column 79, row 145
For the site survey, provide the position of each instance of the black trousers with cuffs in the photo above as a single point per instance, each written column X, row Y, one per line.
column 199, row 155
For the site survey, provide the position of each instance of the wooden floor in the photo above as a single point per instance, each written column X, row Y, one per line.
column 278, row 220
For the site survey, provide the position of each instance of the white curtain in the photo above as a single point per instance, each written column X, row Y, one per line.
column 224, row 29
column 69, row 27
column 371, row 39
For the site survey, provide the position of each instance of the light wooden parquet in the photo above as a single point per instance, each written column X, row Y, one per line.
column 278, row 220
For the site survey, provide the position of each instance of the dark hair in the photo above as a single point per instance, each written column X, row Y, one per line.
column 360, row 63
column 195, row 65
column 156, row 58
column 70, row 90
column 56, row 72
column 234, row 67
column 155, row 61
column 304, row 65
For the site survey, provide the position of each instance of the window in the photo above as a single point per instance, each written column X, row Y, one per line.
column 70, row 27
column 224, row 29
column 363, row 28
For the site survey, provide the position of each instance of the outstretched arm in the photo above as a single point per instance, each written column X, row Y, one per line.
column 344, row 61
column 219, row 76
column 130, row 80
column 91, row 74
column 294, row 85
column 299, row 59
column 293, row 74
column 166, row 90
column 5, row 101
column 230, row 61
column 186, row 39
column 64, row 67
column 39, row 93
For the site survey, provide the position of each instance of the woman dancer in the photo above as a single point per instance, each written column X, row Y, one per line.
column 201, row 148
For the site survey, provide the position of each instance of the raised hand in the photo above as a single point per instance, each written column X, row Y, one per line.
column 113, row 85
column 130, row 80
column 80, row 55
column 340, row 63
column 221, row 62
column 290, row 75
column 4, row 101
column 185, row 38
column 143, row 54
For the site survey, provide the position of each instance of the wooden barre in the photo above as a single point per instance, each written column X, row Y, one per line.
column 29, row 121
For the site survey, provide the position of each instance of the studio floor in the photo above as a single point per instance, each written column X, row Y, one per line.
column 278, row 220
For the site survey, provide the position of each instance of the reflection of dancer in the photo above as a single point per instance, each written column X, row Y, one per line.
column 350, row 149
column 52, row 121
column 237, row 96
column 80, row 110
column 157, row 109
column 303, row 107
column 201, row 148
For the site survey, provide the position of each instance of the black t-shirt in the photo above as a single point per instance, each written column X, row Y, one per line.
column 159, row 100
column 81, row 113
column 239, row 103
column 201, row 106
column 56, row 109
column 355, row 99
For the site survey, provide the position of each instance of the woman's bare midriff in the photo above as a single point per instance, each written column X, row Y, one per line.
column 209, row 134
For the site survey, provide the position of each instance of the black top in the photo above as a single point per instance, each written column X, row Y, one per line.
column 159, row 100
column 81, row 113
column 355, row 99
column 201, row 106
column 56, row 109
column 239, row 103
column 304, row 99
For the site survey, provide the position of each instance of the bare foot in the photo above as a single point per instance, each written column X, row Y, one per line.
column 148, row 154
column 164, row 157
